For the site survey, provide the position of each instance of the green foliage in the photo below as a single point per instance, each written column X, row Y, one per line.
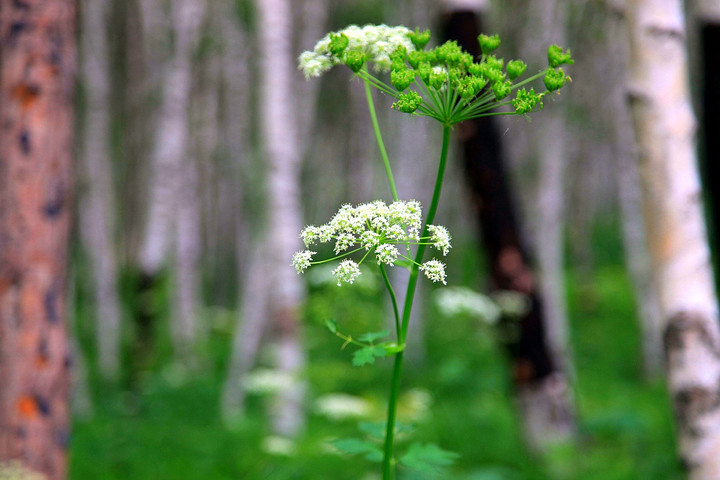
column 366, row 355
column 356, row 446
column 427, row 457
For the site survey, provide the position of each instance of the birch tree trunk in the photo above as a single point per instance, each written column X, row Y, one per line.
column 98, row 210
column 173, row 195
column 279, row 134
column 665, row 131
column 637, row 257
column 37, row 81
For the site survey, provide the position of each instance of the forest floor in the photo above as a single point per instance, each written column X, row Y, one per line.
column 458, row 395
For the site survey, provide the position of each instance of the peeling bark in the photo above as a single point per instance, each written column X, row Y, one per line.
column 665, row 130
column 37, row 82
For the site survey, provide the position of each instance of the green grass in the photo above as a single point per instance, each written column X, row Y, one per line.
column 169, row 426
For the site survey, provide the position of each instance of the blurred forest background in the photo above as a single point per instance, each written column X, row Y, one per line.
column 201, row 153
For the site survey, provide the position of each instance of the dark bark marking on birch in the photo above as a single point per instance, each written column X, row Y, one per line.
column 692, row 401
column 680, row 326
column 672, row 33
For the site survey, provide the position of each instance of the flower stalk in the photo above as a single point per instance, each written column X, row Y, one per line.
column 445, row 84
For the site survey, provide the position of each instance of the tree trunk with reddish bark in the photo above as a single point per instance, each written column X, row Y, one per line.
column 37, row 79
column 541, row 386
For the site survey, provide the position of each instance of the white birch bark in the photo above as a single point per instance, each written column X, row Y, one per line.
column 279, row 135
column 97, row 219
column 637, row 257
column 665, row 131
column 172, row 137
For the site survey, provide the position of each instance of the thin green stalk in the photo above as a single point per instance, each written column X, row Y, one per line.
column 393, row 299
column 381, row 145
column 388, row 465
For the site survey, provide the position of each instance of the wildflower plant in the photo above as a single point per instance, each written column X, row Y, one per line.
column 448, row 85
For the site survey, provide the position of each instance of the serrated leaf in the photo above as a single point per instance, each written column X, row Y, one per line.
column 366, row 355
column 427, row 457
column 372, row 336
column 331, row 325
column 356, row 446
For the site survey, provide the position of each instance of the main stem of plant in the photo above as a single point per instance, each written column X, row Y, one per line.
column 388, row 462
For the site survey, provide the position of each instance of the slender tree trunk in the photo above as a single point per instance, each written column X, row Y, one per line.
column 37, row 80
column 665, row 131
column 280, row 140
column 98, row 211
column 637, row 257
column 542, row 390
column 173, row 193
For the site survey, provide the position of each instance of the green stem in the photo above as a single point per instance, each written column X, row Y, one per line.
column 388, row 464
column 378, row 136
column 393, row 299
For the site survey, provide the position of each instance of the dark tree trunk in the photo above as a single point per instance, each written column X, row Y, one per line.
column 37, row 79
column 541, row 387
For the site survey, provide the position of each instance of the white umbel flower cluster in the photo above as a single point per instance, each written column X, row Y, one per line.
column 377, row 42
column 376, row 228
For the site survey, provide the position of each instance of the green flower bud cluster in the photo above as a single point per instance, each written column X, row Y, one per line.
column 525, row 101
column 555, row 78
column 450, row 85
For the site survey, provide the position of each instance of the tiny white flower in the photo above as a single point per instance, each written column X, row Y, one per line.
column 301, row 260
column 347, row 272
column 369, row 239
column 434, row 270
column 440, row 237
column 310, row 235
column 386, row 254
column 344, row 241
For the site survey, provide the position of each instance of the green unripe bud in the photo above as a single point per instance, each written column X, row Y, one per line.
column 408, row 102
column 401, row 79
column 338, row 44
column 557, row 57
column 419, row 39
column 555, row 79
column 488, row 43
column 525, row 101
column 515, row 68
column 501, row 89
column 355, row 59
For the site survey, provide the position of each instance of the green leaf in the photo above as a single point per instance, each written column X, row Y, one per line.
column 372, row 336
column 427, row 457
column 356, row 446
column 331, row 325
column 366, row 355
column 373, row 429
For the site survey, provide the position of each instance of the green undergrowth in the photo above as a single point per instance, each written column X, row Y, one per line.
column 166, row 424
